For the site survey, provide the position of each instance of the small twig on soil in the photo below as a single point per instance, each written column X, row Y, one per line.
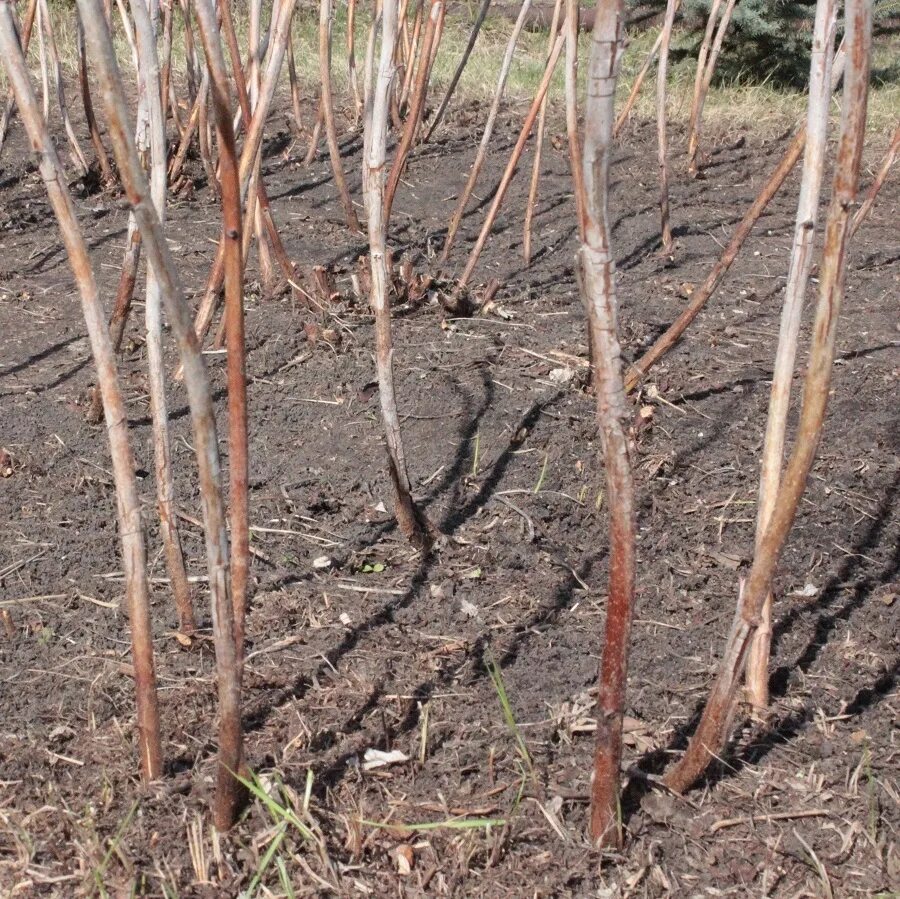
column 528, row 521
column 763, row 819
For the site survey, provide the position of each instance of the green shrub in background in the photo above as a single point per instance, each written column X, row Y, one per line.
column 767, row 40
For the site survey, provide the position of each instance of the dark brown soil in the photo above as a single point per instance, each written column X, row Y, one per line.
column 384, row 649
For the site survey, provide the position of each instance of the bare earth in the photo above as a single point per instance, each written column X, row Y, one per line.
column 384, row 649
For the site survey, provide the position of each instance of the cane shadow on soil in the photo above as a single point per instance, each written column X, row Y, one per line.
column 60, row 379
column 452, row 521
column 452, row 477
column 57, row 255
column 40, row 356
column 419, row 695
column 791, row 725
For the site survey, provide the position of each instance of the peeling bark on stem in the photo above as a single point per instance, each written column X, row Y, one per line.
column 131, row 528
column 597, row 269
column 712, row 731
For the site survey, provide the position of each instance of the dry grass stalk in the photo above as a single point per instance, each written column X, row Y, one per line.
column 662, row 136
column 512, row 164
column 199, row 399
column 412, row 521
column 485, row 143
column 538, row 147
column 712, row 732
column 131, row 528
column 791, row 313
column 597, row 276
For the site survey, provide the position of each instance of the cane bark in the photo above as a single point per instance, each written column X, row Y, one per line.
column 871, row 196
column 411, row 519
column 56, row 71
column 791, row 313
column 90, row 119
column 662, row 135
column 414, row 114
column 485, row 143
column 334, row 151
column 25, row 38
column 712, row 732
column 131, row 527
column 199, row 400
column 575, row 157
column 238, row 463
column 154, row 136
column 597, row 269
column 249, row 151
column 538, row 147
column 700, row 96
column 511, row 165
column 638, row 84
column 701, row 296
column 457, row 74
